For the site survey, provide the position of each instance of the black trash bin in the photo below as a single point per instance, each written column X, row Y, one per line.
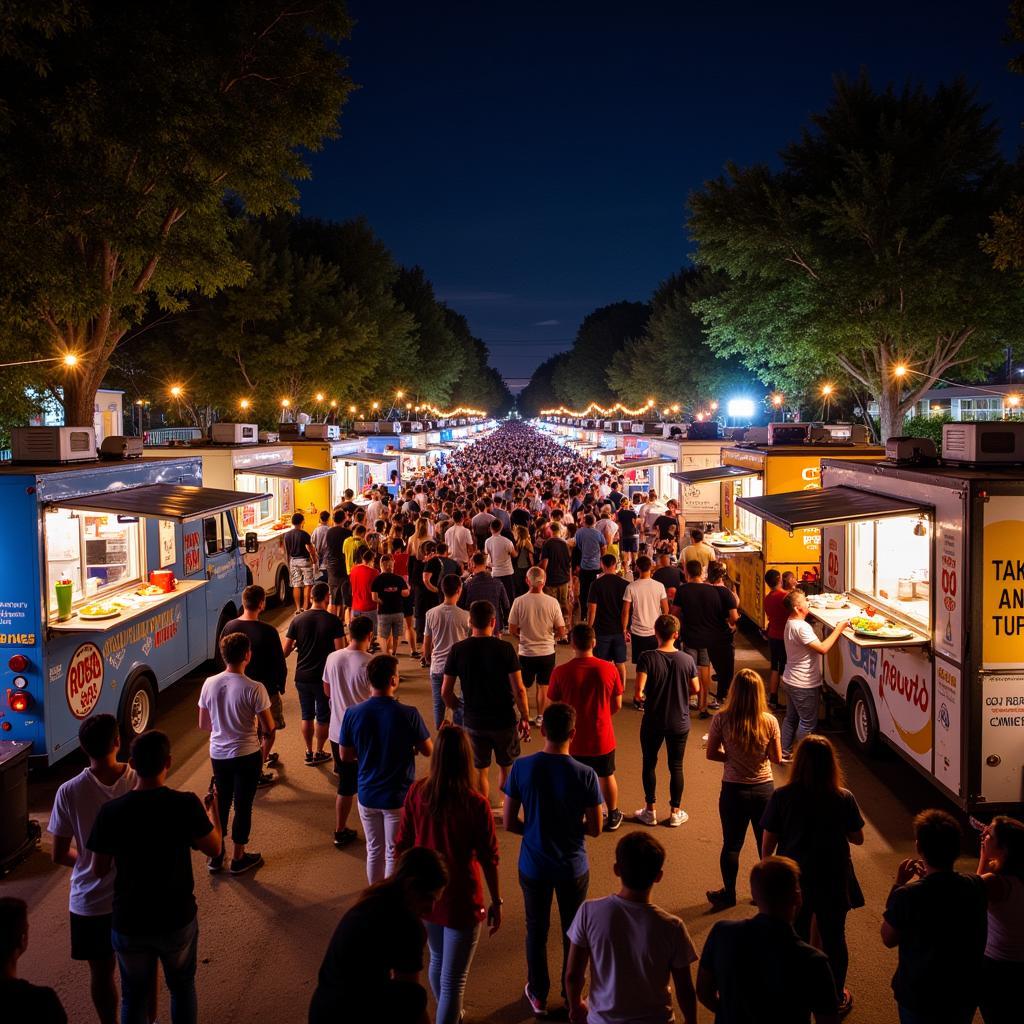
column 19, row 836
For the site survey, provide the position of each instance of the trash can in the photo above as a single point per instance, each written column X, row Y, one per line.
column 18, row 834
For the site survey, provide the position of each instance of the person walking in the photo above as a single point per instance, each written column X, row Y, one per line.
column 389, row 590
column 496, row 711
column 591, row 545
column 148, row 835
column 556, row 561
column 633, row 948
column 501, row 553
column 593, row 689
column 665, row 678
column 745, row 737
column 776, row 613
column 1001, row 868
column 234, row 710
column 629, row 539
column 302, row 562
column 444, row 812
column 604, row 614
column 759, row 969
column 346, row 685
column 561, row 804
column 21, row 1000
column 524, row 558
column 802, row 677
column 90, row 904
column 334, row 562
column 643, row 601
column 482, row 586
column 698, row 550
column 314, row 634
column 814, row 820
column 383, row 737
column 459, row 540
column 373, row 963
column 445, row 625
column 361, row 579
column 939, row 924
column 705, row 612
column 722, row 649
column 536, row 622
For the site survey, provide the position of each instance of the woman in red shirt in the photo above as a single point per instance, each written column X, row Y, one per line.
column 443, row 812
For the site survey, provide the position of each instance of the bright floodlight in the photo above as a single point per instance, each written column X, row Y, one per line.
column 71, row 359
column 827, row 389
column 244, row 404
column 285, row 403
column 319, row 396
column 899, row 370
column 1013, row 400
column 176, row 391
column 776, row 400
column 740, row 408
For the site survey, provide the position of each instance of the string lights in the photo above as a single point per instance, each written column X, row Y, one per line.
column 594, row 407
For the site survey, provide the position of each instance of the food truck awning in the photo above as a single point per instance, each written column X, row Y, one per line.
column 654, row 460
column 703, row 476
column 373, row 458
column 180, row 503
column 415, row 451
column 613, row 453
column 286, row 471
column 797, row 510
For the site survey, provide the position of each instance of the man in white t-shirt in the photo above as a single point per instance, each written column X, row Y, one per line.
column 632, row 946
column 459, row 540
column 91, row 902
column 235, row 711
column 501, row 553
column 346, row 685
column 802, row 675
column 645, row 599
column 444, row 626
column 649, row 512
column 536, row 621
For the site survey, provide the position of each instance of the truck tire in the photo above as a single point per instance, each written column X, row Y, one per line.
column 138, row 707
column 863, row 720
column 280, row 595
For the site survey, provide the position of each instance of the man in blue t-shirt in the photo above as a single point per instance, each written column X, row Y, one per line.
column 590, row 543
column 561, row 803
column 383, row 737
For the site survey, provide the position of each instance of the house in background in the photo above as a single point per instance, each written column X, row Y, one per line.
column 968, row 402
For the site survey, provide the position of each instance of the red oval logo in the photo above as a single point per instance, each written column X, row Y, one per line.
column 84, row 680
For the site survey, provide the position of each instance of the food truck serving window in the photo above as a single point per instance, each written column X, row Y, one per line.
column 891, row 564
column 747, row 524
column 97, row 551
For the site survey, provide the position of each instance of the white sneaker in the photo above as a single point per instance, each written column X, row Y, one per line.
column 538, row 721
column 645, row 817
column 677, row 818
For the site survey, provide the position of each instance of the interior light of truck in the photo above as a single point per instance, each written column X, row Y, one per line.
column 19, row 700
column 18, row 663
column 20, row 682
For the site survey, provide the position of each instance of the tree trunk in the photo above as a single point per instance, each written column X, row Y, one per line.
column 80, row 395
column 890, row 412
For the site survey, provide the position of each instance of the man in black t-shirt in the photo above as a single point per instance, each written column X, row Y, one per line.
column 315, row 634
column 389, row 591
column 20, row 999
column 267, row 664
column 669, row 576
column 604, row 613
column 556, row 561
column 302, row 561
column 492, row 690
column 334, row 562
column 722, row 649
column 704, row 611
column 148, row 835
column 758, row 970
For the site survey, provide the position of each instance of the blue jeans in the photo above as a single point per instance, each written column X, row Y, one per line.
column 451, row 953
column 801, row 714
column 439, row 706
column 138, row 956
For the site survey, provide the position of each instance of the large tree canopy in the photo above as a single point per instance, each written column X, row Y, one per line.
column 861, row 253
column 123, row 126
column 539, row 393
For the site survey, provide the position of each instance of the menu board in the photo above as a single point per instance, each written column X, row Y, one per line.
column 1002, row 576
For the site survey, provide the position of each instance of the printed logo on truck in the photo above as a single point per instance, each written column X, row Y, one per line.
column 84, row 680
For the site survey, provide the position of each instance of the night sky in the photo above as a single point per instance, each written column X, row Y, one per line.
column 535, row 158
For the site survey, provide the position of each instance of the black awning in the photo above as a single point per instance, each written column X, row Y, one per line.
column 373, row 458
column 798, row 510
column 414, row 451
column 611, row 452
column 703, row 476
column 654, row 460
column 286, row 471
column 180, row 503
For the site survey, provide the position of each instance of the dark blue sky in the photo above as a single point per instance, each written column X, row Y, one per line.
column 535, row 158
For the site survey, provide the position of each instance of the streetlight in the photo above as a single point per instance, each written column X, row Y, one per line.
column 177, row 391
column 69, row 359
column 714, row 407
column 244, row 404
column 899, row 370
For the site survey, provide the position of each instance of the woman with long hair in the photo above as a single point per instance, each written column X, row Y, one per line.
column 1001, row 866
column 445, row 813
column 373, row 962
column 814, row 820
column 745, row 737
column 523, row 559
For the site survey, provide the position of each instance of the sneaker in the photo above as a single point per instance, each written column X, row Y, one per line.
column 246, row 862
column 713, row 703
column 786, row 758
column 344, row 837
column 645, row 817
column 538, row 721
column 613, row 821
column 639, row 705
column 266, row 779
column 538, row 1008
column 693, row 705
column 846, row 1002
column 677, row 817
column 320, row 757
column 216, row 864
column 309, row 757
column 272, row 759
column 721, row 899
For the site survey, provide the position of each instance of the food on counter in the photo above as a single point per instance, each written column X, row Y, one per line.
column 100, row 610
column 150, row 591
column 862, row 622
column 883, row 629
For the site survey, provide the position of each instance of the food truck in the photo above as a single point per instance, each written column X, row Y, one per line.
column 260, row 468
column 118, row 578
column 353, row 468
column 751, row 469
column 926, row 561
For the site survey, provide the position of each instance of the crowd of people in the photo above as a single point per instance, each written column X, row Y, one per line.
column 518, row 537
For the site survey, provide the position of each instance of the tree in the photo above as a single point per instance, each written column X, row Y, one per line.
column 861, row 254
column 539, row 393
column 580, row 379
column 123, row 126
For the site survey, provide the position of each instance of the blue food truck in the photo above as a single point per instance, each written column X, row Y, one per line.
column 116, row 580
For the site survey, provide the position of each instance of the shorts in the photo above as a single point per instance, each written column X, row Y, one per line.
column 347, row 772
column 337, row 588
column 390, row 625
column 313, row 702
column 536, row 668
column 90, row 937
column 346, row 593
column 699, row 654
column 611, row 648
column 503, row 743
column 408, row 606
column 277, row 710
column 629, row 544
column 603, row 764
column 300, row 572
column 639, row 644
column 777, row 649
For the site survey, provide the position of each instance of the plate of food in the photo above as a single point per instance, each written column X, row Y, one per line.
column 150, row 591
column 100, row 610
column 832, row 601
column 879, row 629
column 726, row 540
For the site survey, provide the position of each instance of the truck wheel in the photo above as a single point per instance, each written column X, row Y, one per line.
column 281, row 588
column 863, row 722
column 138, row 708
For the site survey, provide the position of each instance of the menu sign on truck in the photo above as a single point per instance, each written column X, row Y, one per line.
column 1003, row 583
